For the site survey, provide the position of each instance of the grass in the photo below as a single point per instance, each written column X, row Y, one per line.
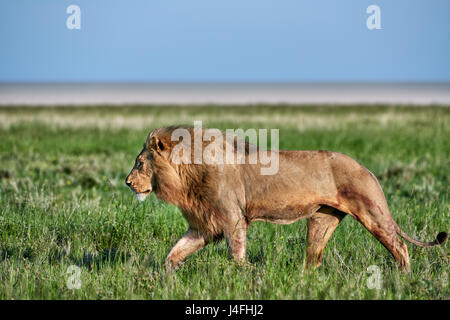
column 63, row 202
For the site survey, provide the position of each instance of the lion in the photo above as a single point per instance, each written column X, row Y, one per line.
column 222, row 200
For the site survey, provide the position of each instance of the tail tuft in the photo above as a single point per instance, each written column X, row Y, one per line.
column 441, row 237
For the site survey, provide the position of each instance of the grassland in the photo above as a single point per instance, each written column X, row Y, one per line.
column 63, row 202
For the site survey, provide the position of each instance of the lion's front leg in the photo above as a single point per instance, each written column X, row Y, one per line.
column 236, row 237
column 191, row 242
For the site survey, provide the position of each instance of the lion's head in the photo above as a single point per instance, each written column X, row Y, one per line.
column 139, row 178
column 143, row 178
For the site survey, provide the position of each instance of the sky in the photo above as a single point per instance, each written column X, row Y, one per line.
column 224, row 41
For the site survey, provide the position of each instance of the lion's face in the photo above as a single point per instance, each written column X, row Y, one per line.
column 139, row 179
column 152, row 166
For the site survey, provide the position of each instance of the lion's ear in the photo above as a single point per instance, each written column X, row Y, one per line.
column 150, row 141
column 157, row 144
column 160, row 146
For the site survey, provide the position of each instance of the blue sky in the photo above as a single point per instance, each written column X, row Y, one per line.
column 224, row 41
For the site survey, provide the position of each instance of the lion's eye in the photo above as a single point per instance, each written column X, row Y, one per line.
column 139, row 165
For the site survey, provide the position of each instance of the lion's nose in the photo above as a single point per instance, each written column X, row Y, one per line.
column 128, row 182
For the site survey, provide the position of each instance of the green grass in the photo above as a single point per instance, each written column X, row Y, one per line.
column 63, row 202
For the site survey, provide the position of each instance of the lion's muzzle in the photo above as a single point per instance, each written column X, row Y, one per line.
column 140, row 195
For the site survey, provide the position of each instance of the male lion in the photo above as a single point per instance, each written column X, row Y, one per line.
column 221, row 200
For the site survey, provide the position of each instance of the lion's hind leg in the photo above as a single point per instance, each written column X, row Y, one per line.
column 364, row 200
column 321, row 226
column 382, row 227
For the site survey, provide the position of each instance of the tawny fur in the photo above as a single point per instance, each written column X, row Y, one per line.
column 223, row 200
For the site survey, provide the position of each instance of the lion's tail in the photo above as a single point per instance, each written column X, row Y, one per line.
column 440, row 238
